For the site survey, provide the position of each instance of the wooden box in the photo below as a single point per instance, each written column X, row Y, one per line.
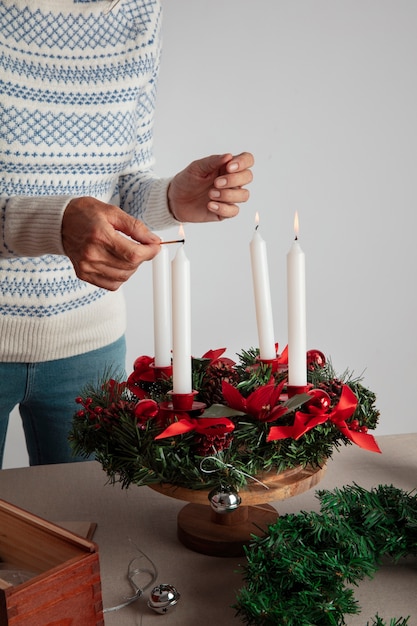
column 65, row 589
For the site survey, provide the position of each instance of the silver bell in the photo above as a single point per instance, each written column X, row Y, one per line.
column 224, row 500
column 162, row 598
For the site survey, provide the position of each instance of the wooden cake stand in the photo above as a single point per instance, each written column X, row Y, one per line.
column 204, row 530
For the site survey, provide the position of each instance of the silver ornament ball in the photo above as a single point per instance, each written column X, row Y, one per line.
column 224, row 500
column 163, row 597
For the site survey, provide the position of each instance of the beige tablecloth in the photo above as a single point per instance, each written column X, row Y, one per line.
column 146, row 519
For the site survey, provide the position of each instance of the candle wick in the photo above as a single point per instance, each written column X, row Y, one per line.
column 257, row 226
column 296, row 238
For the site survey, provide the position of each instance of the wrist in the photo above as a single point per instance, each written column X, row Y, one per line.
column 170, row 203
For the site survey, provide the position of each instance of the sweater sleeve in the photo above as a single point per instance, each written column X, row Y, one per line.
column 31, row 226
column 141, row 194
column 147, row 199
column 98, row 138
column 157, row 214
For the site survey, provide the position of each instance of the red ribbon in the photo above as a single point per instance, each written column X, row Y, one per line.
column 203, row 426
column 344, row 409
column 281, row 360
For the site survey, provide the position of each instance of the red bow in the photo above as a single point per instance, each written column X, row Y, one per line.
column 344, row 409
column 202, row 425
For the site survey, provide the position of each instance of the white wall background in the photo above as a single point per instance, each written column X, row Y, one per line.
column 324, row 94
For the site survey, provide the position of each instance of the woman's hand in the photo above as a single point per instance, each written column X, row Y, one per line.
column 210, row 189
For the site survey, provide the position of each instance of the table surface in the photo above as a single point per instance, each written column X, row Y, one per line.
column 140, row 518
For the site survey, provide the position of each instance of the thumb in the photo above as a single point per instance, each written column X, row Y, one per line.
column 130, row 226
column 214, row 163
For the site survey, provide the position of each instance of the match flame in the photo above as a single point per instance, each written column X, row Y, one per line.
column 296, row 225
column 181, row 234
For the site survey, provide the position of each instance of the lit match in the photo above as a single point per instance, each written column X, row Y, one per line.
column 161, row 243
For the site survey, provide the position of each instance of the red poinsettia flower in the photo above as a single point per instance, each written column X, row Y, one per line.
column 263, row 403
column 216, row 355
column 145, row 410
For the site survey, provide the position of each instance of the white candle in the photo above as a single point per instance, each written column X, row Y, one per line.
column 297, row 336
column 181, row 324
column 161, row 308
column 262, row 293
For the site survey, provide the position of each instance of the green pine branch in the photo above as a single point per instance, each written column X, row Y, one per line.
column 297, row 574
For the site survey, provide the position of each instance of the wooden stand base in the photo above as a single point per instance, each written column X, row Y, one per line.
column 222, row 534
column 225, row 534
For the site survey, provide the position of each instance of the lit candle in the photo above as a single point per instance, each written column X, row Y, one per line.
column 161, row 308
column 297, row 341
column 262, row 295
column 181, row 324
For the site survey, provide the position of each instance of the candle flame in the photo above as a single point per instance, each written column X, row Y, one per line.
column 256, row 220
column 296, row 225
column 181, row 234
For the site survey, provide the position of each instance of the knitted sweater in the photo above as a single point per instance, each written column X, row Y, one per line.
column 77, row 104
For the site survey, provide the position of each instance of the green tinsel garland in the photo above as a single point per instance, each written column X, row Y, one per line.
column 296, row 575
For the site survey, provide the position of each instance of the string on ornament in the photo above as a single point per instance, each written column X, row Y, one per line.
column 223, row 465
column 132, row 572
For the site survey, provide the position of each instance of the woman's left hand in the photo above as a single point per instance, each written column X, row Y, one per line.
column 211, row 188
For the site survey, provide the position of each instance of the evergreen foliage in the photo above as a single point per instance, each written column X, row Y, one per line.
column 107, row 426
column 297, row 575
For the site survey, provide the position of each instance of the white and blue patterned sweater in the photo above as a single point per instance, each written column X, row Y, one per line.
column 76, row 117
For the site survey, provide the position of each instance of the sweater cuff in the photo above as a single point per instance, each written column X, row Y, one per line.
column 33, row 225
column 157, row 215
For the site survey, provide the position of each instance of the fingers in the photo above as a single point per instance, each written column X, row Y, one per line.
column 133, row 228
column 93, row 237
column 124, row 255
column 240, row 162
column 114, row 263
column 225, row 203
column 232, row 181
column 221, row 164
column 229, row 188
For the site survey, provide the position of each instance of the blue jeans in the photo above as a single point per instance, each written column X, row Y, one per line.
column 46, row 392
